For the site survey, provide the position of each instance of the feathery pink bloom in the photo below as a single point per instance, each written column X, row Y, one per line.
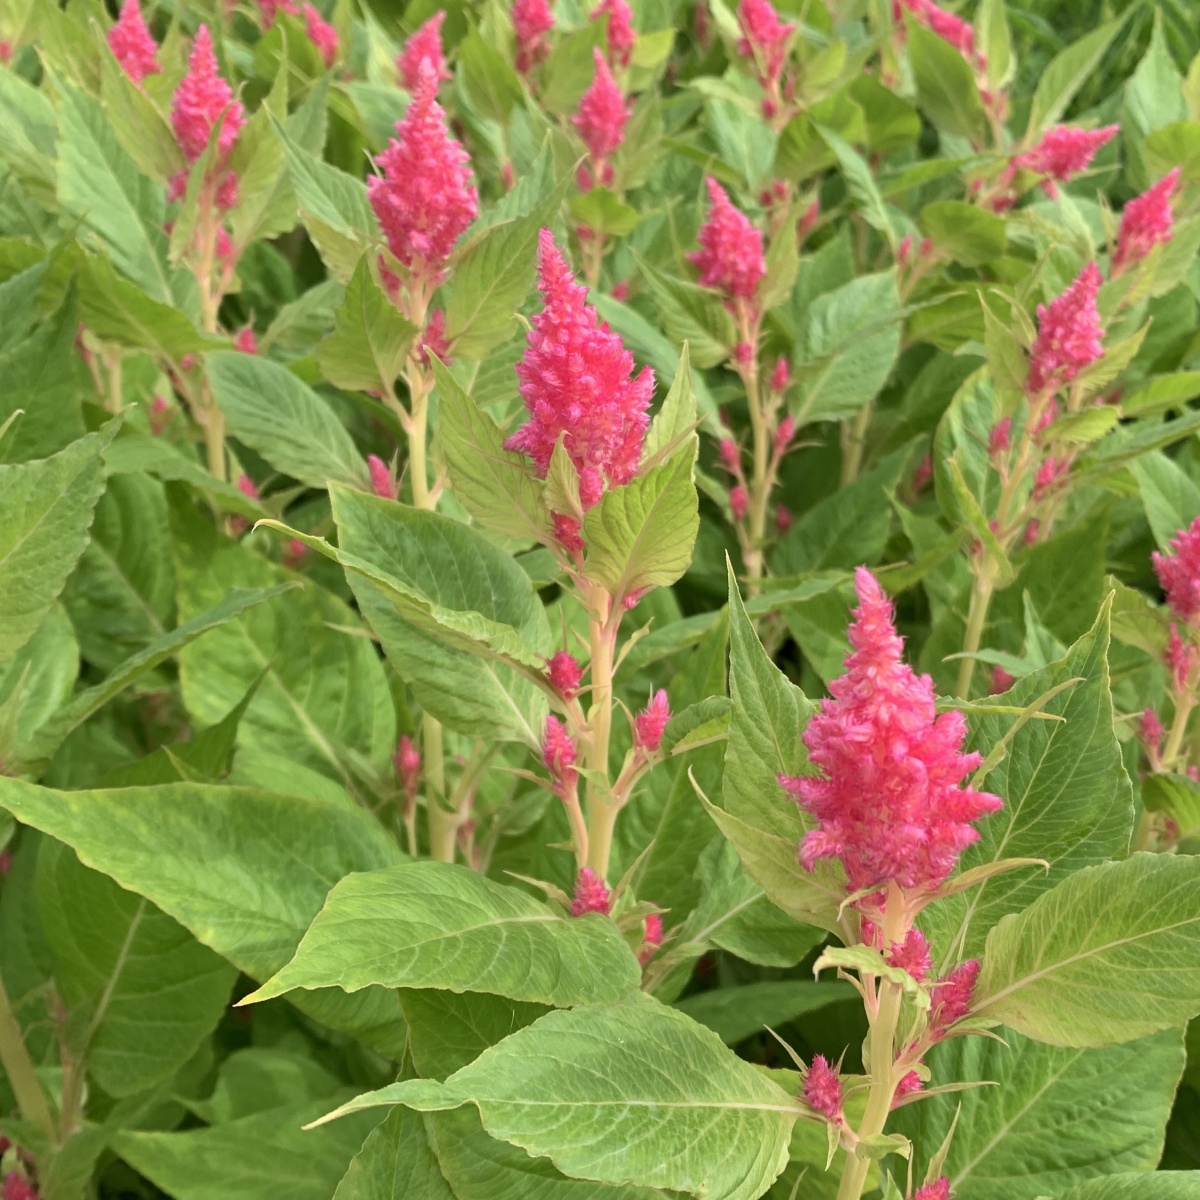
column 532, row 21
column 564, row 673
column 952, row 996
column 939, row 1189
column 764, row 38
column 1147, row 221
column 784, row 434
column 730, row 257
column 652, row 936
column 132, row 44
column 382, row 482
column 1064, row 151
column 202, row 99
column 620, row 30
column 649, row 724
column 911, row 955
column 322, row 35
column 731, row 456
column 1180, row 658
column 425, row 198
column 908, row 1084
column 1179, row 573
column 271, row 8
column 1000, row 437
column 245, row 341
column 426, row 43
column 601, row 120
column 823, row 1089
column 999, row 681
column 558, row 752
column 1047, row 475
column 890, row 804
column 1069, row 334
column 576, row 381
column 1150, row 731
column 591, row 894
column 946, row 25
column 566, row 532
column 247, row 487
column 739, row 502
column 407, row 763
column 781, row 376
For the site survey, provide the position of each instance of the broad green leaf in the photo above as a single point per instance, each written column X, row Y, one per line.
column 244, row 870
column 1059, row 1116
column 395, row 1163
column 140, row 992
column 491, row 84
column 963, row 232
column 266, row 202
column 860, row 183
column 255, row 1078
column 368, row 349
column 1066, row 796
column 691, row 314
column 846, row 346
column 1111, row 954
column 1153, row 97
column 1139, row 1185
column 759, row 817
column 45, row 510
column 1170, row 497
column 493, row 484
column 601, row 211
column 435, row 925
column 641, row 535
column 946, row 87
column 1066, row 74
column 736, row 1013
column 270, row 410
column 35, row 683
column 626, row 1093
column 139, row 126
column 995, row 41
column 419, row 576
column 265, row 1153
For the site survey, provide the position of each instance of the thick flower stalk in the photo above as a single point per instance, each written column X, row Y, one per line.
column 764, row 41
column 1147, row 221
column 532, row 22
column 132, row 44
column 424, row 45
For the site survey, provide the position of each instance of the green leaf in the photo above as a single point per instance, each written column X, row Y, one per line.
column 396, row 1162
column 1066, row 796
column 860, row 183
column 995, row 41
column 677, row 416
column 368, row 349
column 491, row 85
column 626, row 1093
column 242, row 1160
column 244, row 870
column 603, row 212
column 759, row 818
column 1139, row 1185
column 1170, row 497
column 34, row 684
column 45, row 510
column 736, row 1013
column 1066, row 74
column 691, row 314
column 141, row 992
column 963, row 232
column 447, row 927
column 1176, row 795
column 1058, row 1117
column 641, row 535
column 846, row 347
column 946, row 87
column 270, row 410
column 493, row 484
column 1111, row 954
column 139, row 126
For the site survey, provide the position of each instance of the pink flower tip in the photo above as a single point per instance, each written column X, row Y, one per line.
column 1069, row 334
column 784, row 434
column 1178, row 572
column 823, row 1089
column 952, row 995
column 1000, row 437
column 246, row 341
column 730, row 257
column 1148, row 221
column 322, row 35
column 591, row 894
column 1150, row 731
column 999, row 681
column 764, row 39
column 783, row 519
column 558, row 752
column 652, row 936
column 911, row 955
column 382, row 483
column 132, row 44
column 247, row 487
column 890, row 803
column 739, row 502
column 731, row 455
column 407, row 763
column 620, row 36
column 202, row 99
column 908, row 1084
column 601, row 117
column 564, row 673
column 649, row 724
column 1065, row 151
column 18, row 1186
column 424, row 46
column 781, row 376
column 1179, row 658
column 532, row 21
column 939, row 1189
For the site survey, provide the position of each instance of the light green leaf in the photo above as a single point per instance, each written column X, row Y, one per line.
column 604, row 213
column 395, row 1163
column 435, row 925
column 691, row 314
column 491, row 84
column 860, row 182
column 963, row 232
column 1111, row 954
column 677, row 416
column 1139, row 1185
column 1170, row 497
column 946, row 87
column 1066, row 74
column 995, row 41
column 736, row 1013
column 139, row 126
column 626, row 1093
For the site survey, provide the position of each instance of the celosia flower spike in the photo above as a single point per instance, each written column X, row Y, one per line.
column 939, row 1189
column 382, row 482
column 321, row 34
column 823, row 1089
column 1069, row 334
column 1179, row 574
column 1065, row 151
column 426, row 43
column 200, row 100
column 891, row 803
column 652, row 936
column 730, row 257
column 764, row 38
column 620, row 36
column 576, row 381
column 908, row 1084
column 952, row 996
column 591, row 894
column 911, row 955
column 407, row 762
column 601, row 120
column 946, row 25
column 1147, row 221
column 424, row 199
column 132, row 44
column 1179, row 658
column 649, row 724
column 558, row 753
column 532, row 21
column 564, row 674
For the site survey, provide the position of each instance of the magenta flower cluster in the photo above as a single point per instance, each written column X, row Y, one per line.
column 1070, row 335
column 132, row 44
column 730, row 257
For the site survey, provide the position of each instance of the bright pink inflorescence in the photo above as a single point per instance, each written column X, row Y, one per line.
column 407, row 762
column 652, row 936
column 952, row 995
column 823, row 1089
column 945, row 24
column 601, row 121
column 1146, row 222
column 939, row 1189
column 132, row 44
column 577, row 380
column 730, row 257
column 382, row 482
column 558, row 752
column 532, row 21
column 19, row 1187
column 425, row 198
column 1069, row 334
column 202, row 99
column 1179, row 574
column 1064, row 151
column 620, row 30
column 911, row 955
column 591, row 894
column 764, row 38
column 891, row 804
column 999, row 681
column 564, row 672
column 245, row 341
column 426, row 43
column 1180, row 658
column 321, row 34
column 908, row 1084
column 649, row 724
column 1150, row 731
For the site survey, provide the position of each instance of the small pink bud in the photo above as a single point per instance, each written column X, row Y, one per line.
column 1150, row 731
column 739, row 502
column 424, row 46
column 904, row 250
column 1179, row 574
column 783, row 519
column 1180, row 658
column 6, row 52
column 247, row 487
column 567, row 533
column 382, row 483
column 939, row 1189
column 1048, row 474
column 1000, row 437
column 434, row 338
column 1032, row 531
column 922, row 475
column 558, row 753
column 909, row 1084
column 294, row 553
column 633, row 599
column 764, row 41
column 743, row 354
column 780, row 377
column 823, row 1089
column 911, row 955
column 649, row 724
column 652, row 936
column 621, row 35
column 245, row 341
column 407, row 763
column 564, row 672
column 999, row 681
column 1046, row 417
column 784, row 435
column 731, row 455
column 621, row 291
column 808, row 222
column 952, row 996
column 591, row 893
column 18, row 1186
